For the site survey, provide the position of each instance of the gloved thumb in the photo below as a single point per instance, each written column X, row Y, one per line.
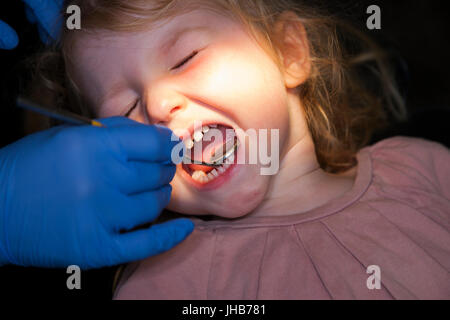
column 158, row 238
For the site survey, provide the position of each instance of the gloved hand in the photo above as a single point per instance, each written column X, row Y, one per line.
column 43, row 12
column 68, row 193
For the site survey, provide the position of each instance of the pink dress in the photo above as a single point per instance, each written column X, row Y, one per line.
column 396, row 217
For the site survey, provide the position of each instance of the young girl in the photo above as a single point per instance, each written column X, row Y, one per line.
column 339, row 219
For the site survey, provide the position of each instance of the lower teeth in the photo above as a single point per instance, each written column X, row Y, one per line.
column 202, row 177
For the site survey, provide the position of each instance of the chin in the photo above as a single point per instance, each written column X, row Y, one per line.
column 240, row 204
column 231, row 203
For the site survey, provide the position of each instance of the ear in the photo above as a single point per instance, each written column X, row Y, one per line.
column 292, row 44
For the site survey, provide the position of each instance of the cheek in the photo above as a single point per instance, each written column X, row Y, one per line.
column 246, row 83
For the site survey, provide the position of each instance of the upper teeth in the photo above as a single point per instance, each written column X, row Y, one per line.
column 189, row 143
column 198, row 135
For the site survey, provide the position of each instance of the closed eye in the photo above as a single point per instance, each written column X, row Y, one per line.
column 131, row 109
column 185, row 60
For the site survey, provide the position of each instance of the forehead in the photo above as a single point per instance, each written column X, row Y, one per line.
column 104, row 52
column 158, row 31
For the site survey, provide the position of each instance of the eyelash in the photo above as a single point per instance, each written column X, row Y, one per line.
column 131, row 109
column 185, row 60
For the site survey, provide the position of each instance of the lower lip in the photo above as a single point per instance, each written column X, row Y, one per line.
column 213, row 184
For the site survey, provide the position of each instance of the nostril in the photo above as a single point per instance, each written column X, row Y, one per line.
column 175, row 109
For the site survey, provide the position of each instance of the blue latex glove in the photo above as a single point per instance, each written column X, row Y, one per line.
column 8, row 37
column 68, row 192
column 45, row 13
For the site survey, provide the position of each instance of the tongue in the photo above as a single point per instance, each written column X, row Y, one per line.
column 199, row 167
column 212, row 141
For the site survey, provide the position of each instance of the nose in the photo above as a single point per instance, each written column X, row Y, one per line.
column 162, row 103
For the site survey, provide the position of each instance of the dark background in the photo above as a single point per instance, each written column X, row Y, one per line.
column 416, row 30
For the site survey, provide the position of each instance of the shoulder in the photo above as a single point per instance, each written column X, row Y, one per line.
column 407, row 160
column 410, row 143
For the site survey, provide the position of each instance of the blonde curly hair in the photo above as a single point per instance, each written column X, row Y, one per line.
column 342, row 108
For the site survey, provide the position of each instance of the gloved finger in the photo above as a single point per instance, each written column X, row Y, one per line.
column 43, row 35
column 158, row 238
column 144, row 176
column 8, row 37
column 30, row 15
column 47, row 13
column 174, row 139
column 144, row 142
column 140, row 208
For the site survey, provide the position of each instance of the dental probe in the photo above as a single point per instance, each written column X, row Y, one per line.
column 62, row 115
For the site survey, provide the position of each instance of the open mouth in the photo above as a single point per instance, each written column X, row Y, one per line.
column 211, row 144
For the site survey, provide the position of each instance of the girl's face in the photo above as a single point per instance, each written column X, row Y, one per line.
column 199, row 66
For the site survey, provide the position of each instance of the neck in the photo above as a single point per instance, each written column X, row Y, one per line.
column 300, row 184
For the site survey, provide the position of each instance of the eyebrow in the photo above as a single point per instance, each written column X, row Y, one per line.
column 115, row 89
column 178, row 35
